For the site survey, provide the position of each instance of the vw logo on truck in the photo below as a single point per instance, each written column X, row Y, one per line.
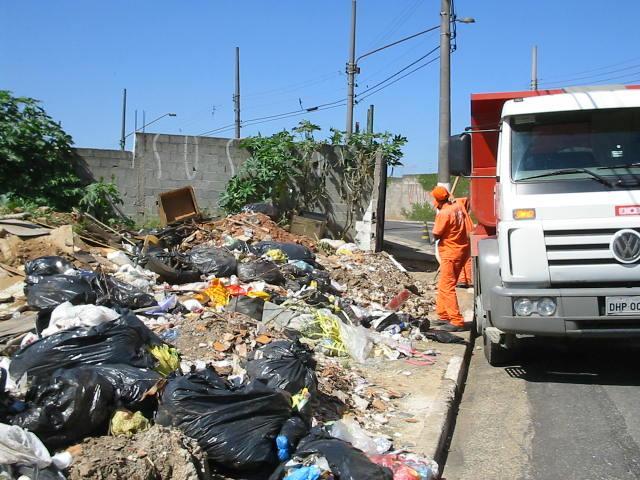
column 625, row 246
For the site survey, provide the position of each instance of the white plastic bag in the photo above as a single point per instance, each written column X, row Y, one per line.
column 357, row 341
column 67, row 315
column 119, row 258
column 137, row 276
column 350, row 431
column 18, row 446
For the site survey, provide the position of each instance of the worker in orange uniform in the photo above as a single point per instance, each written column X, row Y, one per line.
column 451, row 230
column 465, row 280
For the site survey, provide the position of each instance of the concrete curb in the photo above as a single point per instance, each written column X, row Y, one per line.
column 439, row 423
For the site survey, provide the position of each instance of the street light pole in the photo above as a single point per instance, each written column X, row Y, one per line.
column 124, row 119
column 236, row 95
column 351, row 70
column 147, row 124
column 445, row 93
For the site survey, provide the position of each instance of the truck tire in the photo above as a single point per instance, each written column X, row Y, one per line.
column 497, row 354
column 479, row 314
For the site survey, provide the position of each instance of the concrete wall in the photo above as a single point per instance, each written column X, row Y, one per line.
column 402, row 193
column 165, row 162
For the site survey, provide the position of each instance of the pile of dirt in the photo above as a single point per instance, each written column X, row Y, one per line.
column 214, row 336
column 155, row 453
column 373, row 278
column 258, row 227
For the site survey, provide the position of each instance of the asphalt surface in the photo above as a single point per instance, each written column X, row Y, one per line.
column 565, row 410
column 407, row 233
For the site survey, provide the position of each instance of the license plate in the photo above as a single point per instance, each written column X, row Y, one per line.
column 622, row 305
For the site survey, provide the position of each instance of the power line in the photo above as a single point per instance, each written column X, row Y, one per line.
column 400, row 71
column 397, row 22
column 588, row 77
column 597, row 69
column 603, row 80
column 359, row 98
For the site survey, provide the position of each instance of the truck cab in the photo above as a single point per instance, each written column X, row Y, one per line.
column 555, row 188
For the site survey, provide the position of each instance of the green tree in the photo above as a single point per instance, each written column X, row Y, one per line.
column 35, row 155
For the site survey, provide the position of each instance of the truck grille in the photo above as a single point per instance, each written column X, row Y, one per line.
column 580, row 247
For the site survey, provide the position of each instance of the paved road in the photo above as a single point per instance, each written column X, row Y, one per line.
column 409, row 233
column 566, row 411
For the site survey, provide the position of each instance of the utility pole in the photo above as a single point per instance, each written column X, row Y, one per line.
column 124, row 118
column 534, row 68
column 370, row 119
column 445, row 93
column 144, row 120
column 351, row 70
column 236, row 96
column 135, row 120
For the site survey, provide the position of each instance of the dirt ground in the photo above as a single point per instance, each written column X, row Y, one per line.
column 156, row 453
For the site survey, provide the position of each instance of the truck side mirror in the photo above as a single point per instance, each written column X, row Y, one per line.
column 460, row 155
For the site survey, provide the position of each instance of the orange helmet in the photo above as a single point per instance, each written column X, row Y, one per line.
column 440, row 195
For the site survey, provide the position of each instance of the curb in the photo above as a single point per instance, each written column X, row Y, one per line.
column 440, row 422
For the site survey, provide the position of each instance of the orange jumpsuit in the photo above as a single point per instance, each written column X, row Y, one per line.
column 454, row 248
column 466, row 275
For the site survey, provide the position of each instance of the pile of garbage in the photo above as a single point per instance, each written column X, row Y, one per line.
column 217, row 350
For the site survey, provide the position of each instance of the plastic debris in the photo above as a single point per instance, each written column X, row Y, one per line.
column 127, row 423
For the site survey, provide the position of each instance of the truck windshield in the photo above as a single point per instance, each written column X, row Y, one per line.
column 578, row 143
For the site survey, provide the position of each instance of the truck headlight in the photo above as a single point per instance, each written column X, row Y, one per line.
column 546, row 306
column 523, row 307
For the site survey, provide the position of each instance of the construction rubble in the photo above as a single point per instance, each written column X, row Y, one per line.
column 229, row 348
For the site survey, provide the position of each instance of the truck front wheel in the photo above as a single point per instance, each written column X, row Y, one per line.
column 499, row 353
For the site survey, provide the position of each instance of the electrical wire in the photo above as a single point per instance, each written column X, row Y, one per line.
column 597, row 69
column 397, row 22
column 599, row 81
column 594, row 76
column 390, row 77
column 294, row 86
column 359, row 98
column 272, row 118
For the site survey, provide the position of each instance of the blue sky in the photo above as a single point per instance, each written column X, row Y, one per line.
column 177, row 56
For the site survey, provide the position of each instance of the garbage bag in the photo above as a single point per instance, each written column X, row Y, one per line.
column 114, row 293
column 20, row 446
column 30, row 472
column 266, row 208
column 293, row 251
column 290, row 435
column 49, row 265
column 129, row 383
column 285, row 365
column 66, row 316
column 349, row 430
column 47, row 292
column 252, row 307
column 260, row 270
column 75, row 403
column 346, row 462
column 443, row 337
column 213, row 261
column 125, row 340
column 236, row 428
column 169, row 268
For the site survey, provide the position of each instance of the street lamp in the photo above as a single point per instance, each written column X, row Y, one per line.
column 353, row 69
column 147, row 124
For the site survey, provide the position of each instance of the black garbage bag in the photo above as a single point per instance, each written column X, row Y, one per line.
column 267, row 208
column 75, row 403
column 260, row 270
column 129, row 383
column 285, row 365
column 125, row 340
column 47, row 292
column 213, row 261
column 237, row 428
column 290, row 435
column 443, row 337
column 346, row 462
column 252, row 307
column 113, row 293
column 171, row 268
column 293, row 250
column 50, row 265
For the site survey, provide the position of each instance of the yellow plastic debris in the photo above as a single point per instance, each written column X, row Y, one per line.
column 168, row 359
column 216, row 295
column 300, row 399
column 276, row 255
column 127, row 423
column 259, row 294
